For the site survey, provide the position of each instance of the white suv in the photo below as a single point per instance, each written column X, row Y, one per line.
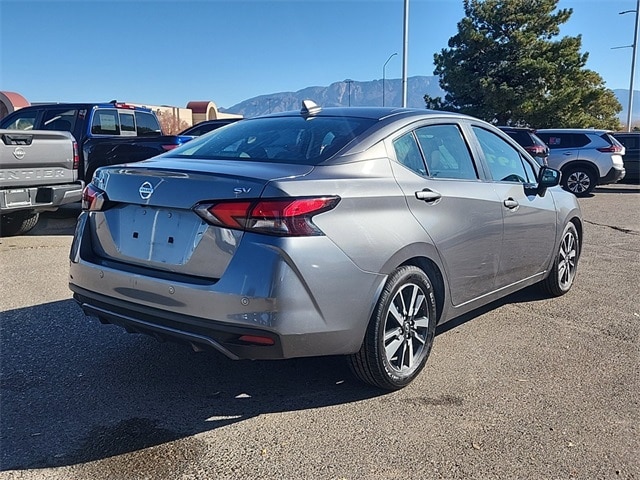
column 586, row 157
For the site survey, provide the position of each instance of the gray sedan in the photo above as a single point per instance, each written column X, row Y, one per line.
column 325, row 231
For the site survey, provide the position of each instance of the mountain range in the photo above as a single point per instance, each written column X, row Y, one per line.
column 370, row 93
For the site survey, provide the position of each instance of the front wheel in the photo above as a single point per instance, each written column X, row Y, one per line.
column 579, row 180
column 565, row 265
column 400, row 333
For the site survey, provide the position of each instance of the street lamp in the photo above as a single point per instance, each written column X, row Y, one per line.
column 348, row 81
column 405, row 48
column 633, row 62
column 383, row 74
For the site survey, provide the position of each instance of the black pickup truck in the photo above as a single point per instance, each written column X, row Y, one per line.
column 107, row 133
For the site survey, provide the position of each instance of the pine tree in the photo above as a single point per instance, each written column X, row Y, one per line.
column 504, row 66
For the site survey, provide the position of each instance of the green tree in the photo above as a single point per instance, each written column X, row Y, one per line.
column 503, row 66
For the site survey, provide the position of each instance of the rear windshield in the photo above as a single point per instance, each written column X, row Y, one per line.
column 299, row 140
column 521, row 136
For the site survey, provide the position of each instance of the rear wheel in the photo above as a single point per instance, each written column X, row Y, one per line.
column 579, row 180
column 400, row 333
column 17, row 223
column 565, row 266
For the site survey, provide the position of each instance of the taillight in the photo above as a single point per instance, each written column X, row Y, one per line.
column 610, row 149
column 76, row 157
column 93, row 199
column 280, row 216
column 169, row 147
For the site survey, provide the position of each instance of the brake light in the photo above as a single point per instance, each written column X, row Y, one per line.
column 124, row 105
column 76, row 156
column 93, row 199
column 169, row 147
column 283, row 217
column 610, row 149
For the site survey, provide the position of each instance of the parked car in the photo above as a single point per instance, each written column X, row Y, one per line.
column 38, row 173
column 207, row 126
column 527, row 138
column 586, row 157
column 107, row 133
column 324, row 231
column 631, row 157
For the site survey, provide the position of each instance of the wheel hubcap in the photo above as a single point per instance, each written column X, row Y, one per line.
column 406, row 329
column 578, row 182
column 567, row 261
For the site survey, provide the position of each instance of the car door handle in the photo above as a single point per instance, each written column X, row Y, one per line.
column 567, row 153
column 511, row 204
column 428, row 195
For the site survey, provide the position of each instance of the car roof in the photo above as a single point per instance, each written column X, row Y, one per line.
column 516, row 129
column 80, row 106
column 374, row 113
column 574, row 130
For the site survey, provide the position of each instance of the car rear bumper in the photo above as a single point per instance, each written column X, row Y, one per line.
column 285, row 298
column 613, row 175
column 41, row 198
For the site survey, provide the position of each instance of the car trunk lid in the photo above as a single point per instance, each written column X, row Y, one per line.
column 149, row 219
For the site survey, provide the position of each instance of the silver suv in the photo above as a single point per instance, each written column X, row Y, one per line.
column 586, row 157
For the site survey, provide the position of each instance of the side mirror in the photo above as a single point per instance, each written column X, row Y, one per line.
column 548, row 177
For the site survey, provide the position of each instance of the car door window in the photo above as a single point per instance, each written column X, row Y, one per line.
column 105, row 122
column 61, row 120
column 147, row 124
column 505, row 162
column 446, row 152
column 408, row 153
column 23, row 121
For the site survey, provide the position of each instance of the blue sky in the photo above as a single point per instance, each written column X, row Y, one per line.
column 169, row 52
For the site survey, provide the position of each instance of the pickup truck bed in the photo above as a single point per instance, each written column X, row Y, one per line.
column 38, row 172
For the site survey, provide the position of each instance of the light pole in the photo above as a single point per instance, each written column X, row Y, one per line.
column 405, row 47
column 348, row 81
column 633, row 62
column 383, row 74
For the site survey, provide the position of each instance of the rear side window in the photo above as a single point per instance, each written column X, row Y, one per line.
column 147, row 124
column 408, row 153
column 105, row 122
column 564, row 140
column 60, row 119
column 296, row 139
column 522, row 137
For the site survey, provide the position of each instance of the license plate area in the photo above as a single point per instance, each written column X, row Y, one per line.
column 17, row 197
column 159, row 235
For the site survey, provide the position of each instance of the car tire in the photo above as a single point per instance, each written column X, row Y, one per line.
column 400, row 333
column 17, row 223
column 579, row 180
column 565, row 264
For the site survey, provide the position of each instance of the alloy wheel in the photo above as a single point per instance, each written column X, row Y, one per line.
column 567, row 257
column 578, row 182
column 406, row 329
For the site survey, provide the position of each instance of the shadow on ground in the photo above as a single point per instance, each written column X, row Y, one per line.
column 74, row 391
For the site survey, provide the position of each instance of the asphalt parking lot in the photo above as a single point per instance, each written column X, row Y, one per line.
column 527, row 388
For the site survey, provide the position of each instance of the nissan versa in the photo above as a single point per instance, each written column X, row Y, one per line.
column 324, row 231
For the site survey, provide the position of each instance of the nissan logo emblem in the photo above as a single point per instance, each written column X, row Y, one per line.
column 145, row 190
column 19, row 153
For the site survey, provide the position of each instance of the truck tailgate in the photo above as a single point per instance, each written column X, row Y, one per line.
column 32, row 157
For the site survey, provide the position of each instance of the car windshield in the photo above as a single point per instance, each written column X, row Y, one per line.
column 295, row 139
